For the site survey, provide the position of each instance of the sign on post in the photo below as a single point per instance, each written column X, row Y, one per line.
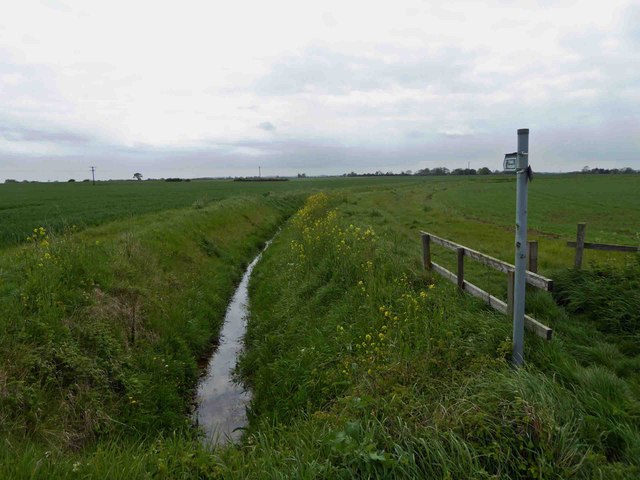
column 510, row 161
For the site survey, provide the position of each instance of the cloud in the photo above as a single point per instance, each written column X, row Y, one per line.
column 320, row 70
column 267, row 126
column 25, row 134
column 389, row 86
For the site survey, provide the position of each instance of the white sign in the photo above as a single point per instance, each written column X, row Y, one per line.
column 510, row 162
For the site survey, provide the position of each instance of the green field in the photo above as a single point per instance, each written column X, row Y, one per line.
column 361, row 364
column 24, row 206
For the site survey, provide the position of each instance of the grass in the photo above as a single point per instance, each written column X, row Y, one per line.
column 103, row 328
column 57, row 206
column 359, row 367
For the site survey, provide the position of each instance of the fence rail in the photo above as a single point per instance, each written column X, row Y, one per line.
column 580, row 245
column 612, row 247
column 506, row 308
column 531, row 277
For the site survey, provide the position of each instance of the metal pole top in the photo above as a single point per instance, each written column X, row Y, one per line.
column 523, row 131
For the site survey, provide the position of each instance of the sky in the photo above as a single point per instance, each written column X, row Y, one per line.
column 219, row 88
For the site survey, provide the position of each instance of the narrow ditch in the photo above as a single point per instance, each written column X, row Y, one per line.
column 221, row 401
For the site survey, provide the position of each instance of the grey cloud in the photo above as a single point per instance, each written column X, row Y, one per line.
column 267, row 126
column 35, row 91
column 631, row 24
column 323, row 71
column 24, row 134
column 552, row 148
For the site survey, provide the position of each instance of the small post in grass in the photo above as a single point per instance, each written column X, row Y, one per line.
column 533, row 256
column 426, row 251
column 582, row 232
column 460, row 252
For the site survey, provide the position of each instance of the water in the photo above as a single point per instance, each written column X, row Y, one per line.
column 221, row 401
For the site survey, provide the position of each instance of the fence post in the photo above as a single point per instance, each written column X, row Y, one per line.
column 426, row 251
column 582, row 231
column 460, row 252
column 511, row 275
column 533, row 256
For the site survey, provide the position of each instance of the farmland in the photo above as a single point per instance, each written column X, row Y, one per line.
column 56, row 205
column 360, row 363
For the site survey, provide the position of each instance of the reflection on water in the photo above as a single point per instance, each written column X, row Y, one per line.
column 222, row 402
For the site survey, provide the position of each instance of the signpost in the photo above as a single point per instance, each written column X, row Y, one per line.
column 519, row 162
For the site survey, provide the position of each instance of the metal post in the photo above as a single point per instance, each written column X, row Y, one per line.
column 510, row 277
column 519, row 290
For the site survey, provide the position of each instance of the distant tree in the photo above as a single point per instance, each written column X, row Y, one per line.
column 302, row 175
column 71, row 180
column 10, row 180
column 586, row 169
column 137, row 176
column 484, row 171
column 440, row 171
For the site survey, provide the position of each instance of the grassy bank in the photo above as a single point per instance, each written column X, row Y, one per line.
column 363, row 367
column 102, row 331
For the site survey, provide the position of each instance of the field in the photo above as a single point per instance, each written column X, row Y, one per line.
column 361, row 364
column 57, row 205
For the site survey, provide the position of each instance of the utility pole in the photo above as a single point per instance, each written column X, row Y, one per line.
column 518, row 162
column 259, row 171
column 93, row 174
column 519, row 290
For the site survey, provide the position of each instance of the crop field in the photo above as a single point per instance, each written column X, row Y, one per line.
column 56, row 205
column 361, row 364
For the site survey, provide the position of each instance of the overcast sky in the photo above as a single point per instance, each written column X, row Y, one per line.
column 214, row 88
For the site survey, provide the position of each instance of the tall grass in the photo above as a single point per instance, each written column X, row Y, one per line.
column 102, row 330
column 362, row 366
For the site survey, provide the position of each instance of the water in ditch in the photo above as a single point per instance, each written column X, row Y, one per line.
column 221, row 401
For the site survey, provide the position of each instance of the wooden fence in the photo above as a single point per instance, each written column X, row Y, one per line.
column 532, row 277
column 580, row 246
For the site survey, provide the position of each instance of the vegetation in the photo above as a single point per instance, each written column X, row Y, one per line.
column 607, row 296
column 361, row 364
column 361, row 367
column 57, row 206
column 102, row 329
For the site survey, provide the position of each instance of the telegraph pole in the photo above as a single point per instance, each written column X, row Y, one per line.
column 519, row 162
column 519, row 290
column 93, row 174
column 259, row 171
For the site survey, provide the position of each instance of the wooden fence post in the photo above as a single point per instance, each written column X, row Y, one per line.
column 533, row 256
column 426, row 251
column 511, row 276
column 582, row 230
column 460, row 252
